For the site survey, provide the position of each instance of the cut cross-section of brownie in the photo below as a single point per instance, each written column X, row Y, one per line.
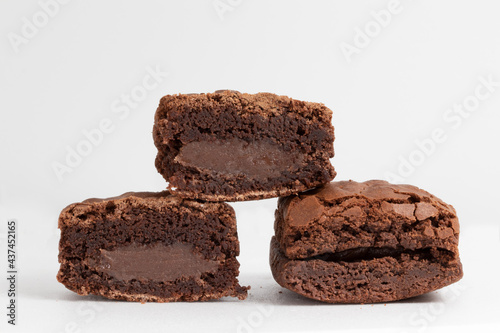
column 349, row 242
column 229, row 146
column 150, row 247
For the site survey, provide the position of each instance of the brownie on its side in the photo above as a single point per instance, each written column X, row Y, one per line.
column 349, row 242
column 229, row 146
column 150, row 247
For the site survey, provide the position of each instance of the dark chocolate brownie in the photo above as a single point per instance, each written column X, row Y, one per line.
column 229, row 146
column 150, row 247
column 349, row 242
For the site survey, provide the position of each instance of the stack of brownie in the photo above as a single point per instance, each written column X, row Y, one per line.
column 337, row 242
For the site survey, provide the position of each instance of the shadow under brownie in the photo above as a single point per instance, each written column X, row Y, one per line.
column 349, row 242
column 229, row 146
column 150, row 247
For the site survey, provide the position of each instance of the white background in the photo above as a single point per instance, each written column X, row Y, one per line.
column 65, row 73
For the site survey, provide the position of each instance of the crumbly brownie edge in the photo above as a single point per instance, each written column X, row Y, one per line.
column 248, row 195
column 75, row 274
column 266, row 104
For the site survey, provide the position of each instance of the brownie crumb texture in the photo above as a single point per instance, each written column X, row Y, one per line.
column 122, row 248
column 229, row 146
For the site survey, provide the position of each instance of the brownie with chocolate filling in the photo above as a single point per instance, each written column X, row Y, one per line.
column 230, row 146
column 150, row 247
column 350, row 242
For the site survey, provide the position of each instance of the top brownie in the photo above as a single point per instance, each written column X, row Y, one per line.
column 230, row 146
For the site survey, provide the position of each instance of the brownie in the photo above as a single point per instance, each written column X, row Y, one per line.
column 230, row 146
column 350, row 242
column 150, row 247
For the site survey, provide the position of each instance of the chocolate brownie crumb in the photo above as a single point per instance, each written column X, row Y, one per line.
column 230, row 146
column 150, row 247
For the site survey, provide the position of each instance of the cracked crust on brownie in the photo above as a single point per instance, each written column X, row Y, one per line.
column 350, row 242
